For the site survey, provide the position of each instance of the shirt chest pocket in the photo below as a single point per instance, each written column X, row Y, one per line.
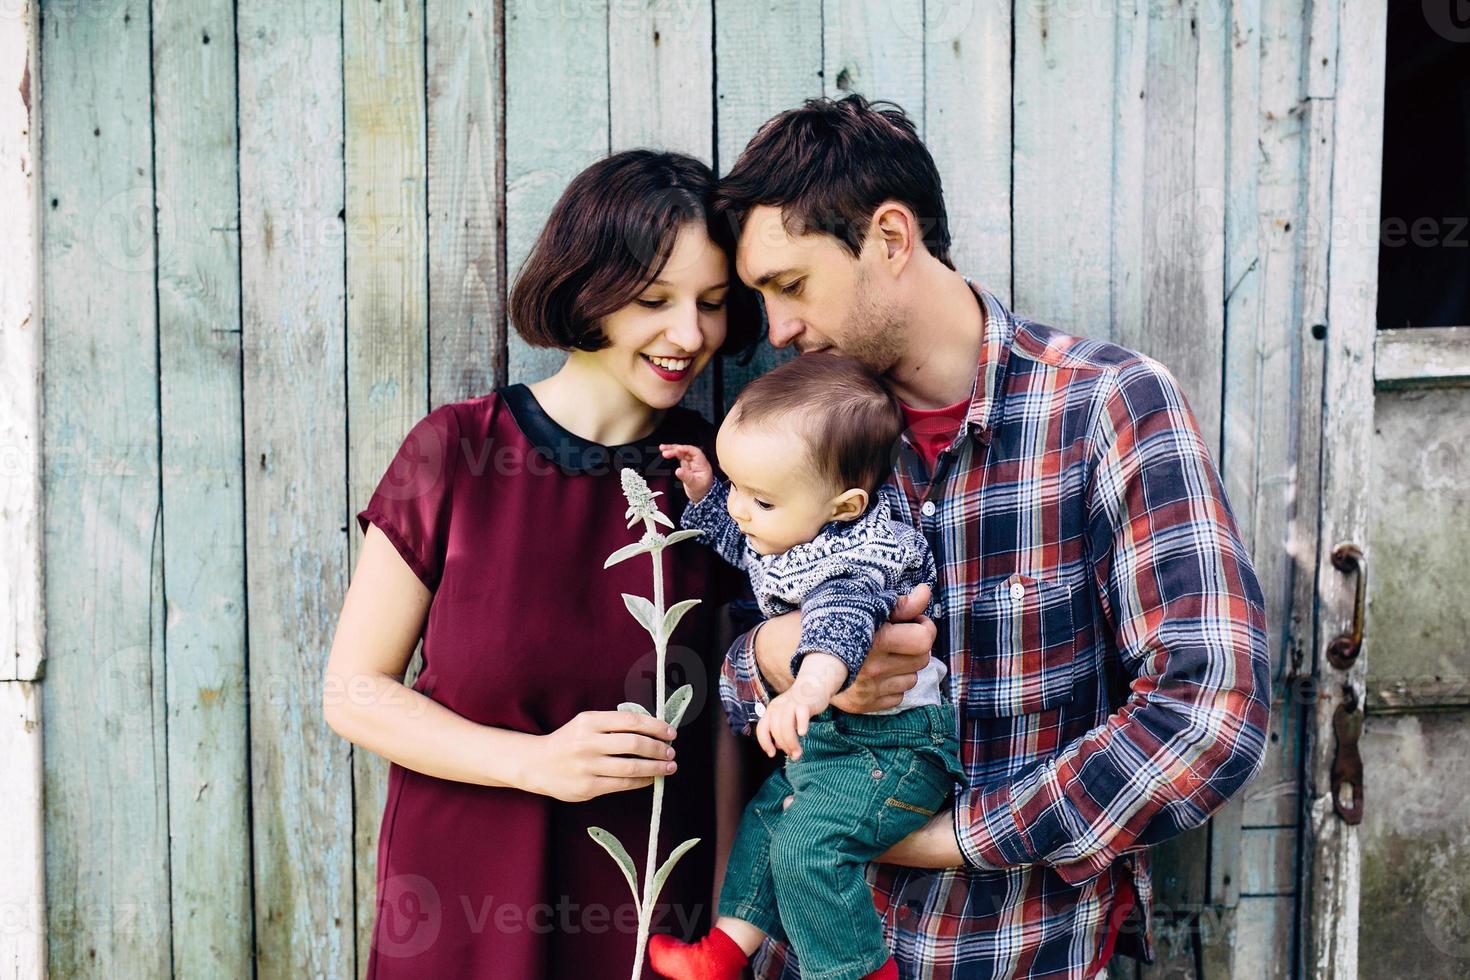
column 1024, row 647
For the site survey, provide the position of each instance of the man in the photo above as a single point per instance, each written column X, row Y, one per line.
column 1102, row 624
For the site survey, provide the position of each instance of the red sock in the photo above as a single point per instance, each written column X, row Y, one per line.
column 715, row 957
column 888, row 971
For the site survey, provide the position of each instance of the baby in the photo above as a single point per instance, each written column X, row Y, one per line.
column 807, row 449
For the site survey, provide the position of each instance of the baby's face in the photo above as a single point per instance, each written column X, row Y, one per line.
column 775, row 497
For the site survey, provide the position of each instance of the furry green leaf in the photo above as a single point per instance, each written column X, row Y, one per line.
column 642, row 611
column 677, row 702
column 619, row 854
column 626, row 552
column 668, row 866
column 676, row 612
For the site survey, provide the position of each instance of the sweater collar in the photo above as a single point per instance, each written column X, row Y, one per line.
column 836, row 536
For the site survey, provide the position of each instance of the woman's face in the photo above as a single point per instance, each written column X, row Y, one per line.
column 659, row 342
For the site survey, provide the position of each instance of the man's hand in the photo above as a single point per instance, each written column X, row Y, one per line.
column 931, row 846
column 899, row 651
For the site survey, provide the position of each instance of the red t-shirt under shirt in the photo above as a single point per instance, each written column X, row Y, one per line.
column 934, row 428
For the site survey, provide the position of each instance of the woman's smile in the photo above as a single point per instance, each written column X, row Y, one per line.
column 669, row 368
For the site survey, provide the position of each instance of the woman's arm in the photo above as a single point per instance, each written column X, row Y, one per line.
column 365, row 701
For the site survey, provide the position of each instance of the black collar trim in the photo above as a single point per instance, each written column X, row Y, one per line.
column 573, row 454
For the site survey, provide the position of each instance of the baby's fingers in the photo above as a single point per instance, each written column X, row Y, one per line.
column 763, row 735
column 786, row 736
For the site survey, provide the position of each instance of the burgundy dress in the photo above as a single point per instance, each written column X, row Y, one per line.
column 507, row 517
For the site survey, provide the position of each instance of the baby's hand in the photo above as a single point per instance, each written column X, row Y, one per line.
column 782, row 725
column 694, row 471
column 786, row 717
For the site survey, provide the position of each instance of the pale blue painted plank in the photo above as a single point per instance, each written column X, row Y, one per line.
column 467, row 274
column 1063, row 163
column 203, row 507
column 967, row 128
column 387, row 313
column 292, row 296
column 556, row 122
column 876, row 48
column 107, row 856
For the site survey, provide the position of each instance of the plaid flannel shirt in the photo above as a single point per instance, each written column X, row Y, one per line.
column 1106, row 642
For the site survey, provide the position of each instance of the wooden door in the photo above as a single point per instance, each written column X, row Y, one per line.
column 1332, row 796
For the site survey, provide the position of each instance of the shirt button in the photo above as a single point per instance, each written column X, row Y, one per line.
column 1018, row 591
column 877, row 773
column 928, row 508
column 760, row 710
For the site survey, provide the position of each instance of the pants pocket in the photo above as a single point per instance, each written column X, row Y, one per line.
column 913, row 799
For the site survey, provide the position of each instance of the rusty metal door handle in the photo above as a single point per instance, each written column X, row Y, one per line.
column 1343, row 651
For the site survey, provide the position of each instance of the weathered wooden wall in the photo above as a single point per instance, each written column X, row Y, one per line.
column 275, row 235
column 22, row 858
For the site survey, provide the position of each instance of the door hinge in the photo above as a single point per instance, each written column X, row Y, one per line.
column 1347, row 763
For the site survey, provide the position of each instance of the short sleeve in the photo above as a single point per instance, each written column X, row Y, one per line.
column 412, row 502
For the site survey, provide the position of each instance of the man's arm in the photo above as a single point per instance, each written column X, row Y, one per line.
column 757, row 666
column 743, row 690
column 1178, row 591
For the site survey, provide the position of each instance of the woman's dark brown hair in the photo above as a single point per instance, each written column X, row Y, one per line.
column 829, row 164
column 608, row 237
column 851, row 422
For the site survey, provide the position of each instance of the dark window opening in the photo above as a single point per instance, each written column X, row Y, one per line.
column 1424, row 231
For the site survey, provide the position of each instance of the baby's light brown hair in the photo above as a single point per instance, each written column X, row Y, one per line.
column 850, row 422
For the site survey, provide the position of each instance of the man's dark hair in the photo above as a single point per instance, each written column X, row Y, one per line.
column 829, row 164
column 608, row 237
column 850, row 421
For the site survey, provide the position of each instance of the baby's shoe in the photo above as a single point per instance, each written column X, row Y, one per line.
column 715, row 957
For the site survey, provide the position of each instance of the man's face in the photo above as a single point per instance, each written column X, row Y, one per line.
column 817, row 295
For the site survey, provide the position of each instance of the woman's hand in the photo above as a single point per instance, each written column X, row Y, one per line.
column 600, row 752
column 694, row 471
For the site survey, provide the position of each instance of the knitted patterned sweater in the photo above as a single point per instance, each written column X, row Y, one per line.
column 845, row 581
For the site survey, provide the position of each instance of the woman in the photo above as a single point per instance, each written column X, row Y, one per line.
column 488, row 533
